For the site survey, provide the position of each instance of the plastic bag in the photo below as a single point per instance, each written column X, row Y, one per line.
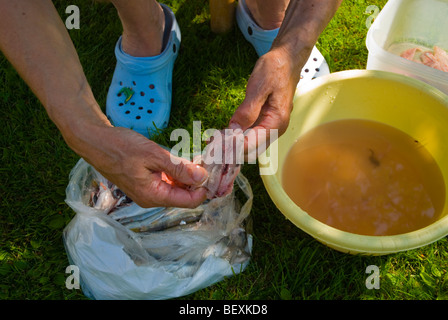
column 163, row 259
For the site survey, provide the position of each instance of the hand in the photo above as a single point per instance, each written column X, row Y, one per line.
column 269, row 96
column 139, row 167
column 271, row 87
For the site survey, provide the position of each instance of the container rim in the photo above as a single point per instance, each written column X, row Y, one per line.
column 345, row 241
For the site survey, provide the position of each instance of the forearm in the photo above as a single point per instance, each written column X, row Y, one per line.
column 304, row 21
column 35, row 41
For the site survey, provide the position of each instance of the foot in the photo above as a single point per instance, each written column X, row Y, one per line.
column 269, row 16
column 261, row 39
column 143, row 34
column 139, row 96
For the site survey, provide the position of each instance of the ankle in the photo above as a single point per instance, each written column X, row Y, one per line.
column 138, row 45
column 266, row 19
column 144, row 38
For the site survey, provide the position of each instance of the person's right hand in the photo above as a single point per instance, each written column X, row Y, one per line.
column 136, row 165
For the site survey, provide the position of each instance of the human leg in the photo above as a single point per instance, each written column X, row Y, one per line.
column 260, row 38
column 140, row 93
column 36, row 42
column 260, row 22
column 143, row 24
column 268, row 14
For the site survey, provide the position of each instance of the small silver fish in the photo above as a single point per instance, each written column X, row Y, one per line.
column 104, row 199
column 107, row 197
column 231, row 247
column 145, row 214
column 222, row 159
column 169, row 218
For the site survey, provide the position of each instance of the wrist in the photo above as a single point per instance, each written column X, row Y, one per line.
column 303, row 23
column 80, row 121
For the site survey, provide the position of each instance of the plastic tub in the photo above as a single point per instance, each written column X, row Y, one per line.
column 409, row 105
column 409, row 23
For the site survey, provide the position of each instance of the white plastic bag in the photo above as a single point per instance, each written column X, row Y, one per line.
column 118, row 263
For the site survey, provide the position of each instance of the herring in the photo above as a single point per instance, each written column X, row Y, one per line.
column 166, row 219
column 222, row 158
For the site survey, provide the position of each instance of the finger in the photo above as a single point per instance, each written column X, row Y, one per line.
column 257, row 140
column 247, row 113
column 274, row 118
column 173, row 196
column 180, row 170
column 271, row 123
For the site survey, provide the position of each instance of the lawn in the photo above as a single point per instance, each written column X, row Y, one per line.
column 209, row 83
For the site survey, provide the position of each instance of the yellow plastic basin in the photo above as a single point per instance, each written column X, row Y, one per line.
column 405, row 103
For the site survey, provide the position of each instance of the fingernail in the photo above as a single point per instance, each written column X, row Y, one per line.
column 199, row 174
column 234, row 126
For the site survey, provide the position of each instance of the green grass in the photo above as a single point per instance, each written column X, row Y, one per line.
column 209, row 83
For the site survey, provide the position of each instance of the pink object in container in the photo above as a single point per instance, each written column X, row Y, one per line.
column 403, row 26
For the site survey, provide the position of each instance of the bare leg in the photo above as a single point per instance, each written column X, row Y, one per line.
column 143, row 25
column 36, row 42
column 268, row 14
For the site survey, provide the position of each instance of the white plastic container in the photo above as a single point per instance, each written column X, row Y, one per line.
column 403, row 24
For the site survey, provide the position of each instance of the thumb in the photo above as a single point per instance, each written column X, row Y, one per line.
column 244, row 116
column 248, row 112
column 183, row 171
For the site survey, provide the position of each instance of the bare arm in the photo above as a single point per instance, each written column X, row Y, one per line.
column 35, row 41
column 271, row 86
column 304, row 22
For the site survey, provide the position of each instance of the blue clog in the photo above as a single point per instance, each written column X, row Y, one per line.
column 140, row 94
column 262, row 40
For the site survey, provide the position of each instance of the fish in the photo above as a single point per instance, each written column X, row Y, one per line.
column 437, row 58
column 104, row 199
column 409, row 54
column 143, row 214
column 166, row 219
column 178, row 246
column 230, row 248
column 222, row 158
column 107, row 197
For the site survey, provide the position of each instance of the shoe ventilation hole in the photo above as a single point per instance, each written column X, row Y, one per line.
column 132, row 103
column 140, row 108
column 249, row 31
column 149, row 111
column 142, row 93
column 138, row 117
column 128, row 112
column 314, row 59
column 306, row 70
column 151, row 86
column 121, row 104
column 151, row 100
column 121, row 83
column 133, row 82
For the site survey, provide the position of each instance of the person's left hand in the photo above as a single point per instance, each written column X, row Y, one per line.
column 269, row 96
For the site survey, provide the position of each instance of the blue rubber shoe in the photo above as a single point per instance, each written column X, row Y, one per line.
column 140, row 94
column 262, row 40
